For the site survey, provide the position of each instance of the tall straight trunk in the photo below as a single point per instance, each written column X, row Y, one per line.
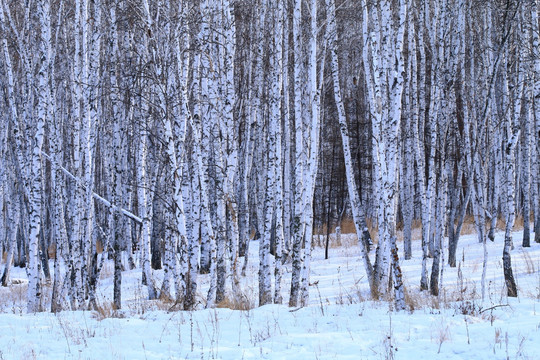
column 200, row 154
column 13, row 214
column 278, row 70
column 407, row 200
column 78, row 211
column 265, row 281
column 441, row 209
column 59, row 231
column 144, row 198
column 510, row 217
column 407, row 169
column 90, row 71
column 535, row 33
column 94, row 112
column 10, row 204
column 526, row 171
column 194, row 244
column 399, row 290
column 274, row 195
column 425, row 167
column 313, row 139
column 202, row 148
column 34, row 266
column 3, row 180
column 117, row 277
column 244, row 168
column 287, row 145
column 298, row 227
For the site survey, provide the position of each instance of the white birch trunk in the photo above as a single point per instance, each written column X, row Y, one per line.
column 145, row 212
column 512, row 138
column 34, row 265
column 526, row 169
column 298, row 227
column 535, row 33
column 11, row 223
column 314, row 138
column 385, row 49
column 279, row 103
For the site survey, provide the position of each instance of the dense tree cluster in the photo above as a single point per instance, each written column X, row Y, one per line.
column 168, row 134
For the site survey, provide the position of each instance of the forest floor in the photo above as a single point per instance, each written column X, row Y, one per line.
column 340, row 322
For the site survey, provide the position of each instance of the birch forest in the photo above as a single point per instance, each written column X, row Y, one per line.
column 171, row 135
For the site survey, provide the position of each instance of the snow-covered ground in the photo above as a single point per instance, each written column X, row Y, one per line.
column 340, row 323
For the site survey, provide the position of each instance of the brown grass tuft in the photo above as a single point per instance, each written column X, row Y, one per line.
column 106, row 310
column 243, row 303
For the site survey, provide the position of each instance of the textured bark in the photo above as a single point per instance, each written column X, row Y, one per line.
column 298, row 227
column 399, row 291
column 117, row 281
column 441, row 209
column 145, row 211
column 385, row 41
column 313, row 139
column 525, row 174
column 535, row 33
column 200, row 121
column 354, row 197
column 13, row 213
column 510, row 217
column 34, row 266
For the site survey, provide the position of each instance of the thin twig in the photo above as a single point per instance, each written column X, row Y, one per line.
column 493, row 307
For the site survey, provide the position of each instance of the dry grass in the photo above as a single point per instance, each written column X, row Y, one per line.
column 416, row 299
column 348, row 227
column 13, row 297
column 244, row 301
column 52, row 251
column 518, row 222
column 468, row 226
column 106, row 310
column 462, row 299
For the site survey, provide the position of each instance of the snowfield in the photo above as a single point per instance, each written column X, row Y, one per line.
column 340, row 323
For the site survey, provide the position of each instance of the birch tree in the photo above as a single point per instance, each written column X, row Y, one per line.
column 383, row 35
column 34, row 266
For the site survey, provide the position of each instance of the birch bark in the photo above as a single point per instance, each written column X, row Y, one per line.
column 384, row 47
column 354, row 197
column 34, row 265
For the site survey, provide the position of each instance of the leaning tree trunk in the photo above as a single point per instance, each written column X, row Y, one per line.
column 359, row 217
column 510, row 203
